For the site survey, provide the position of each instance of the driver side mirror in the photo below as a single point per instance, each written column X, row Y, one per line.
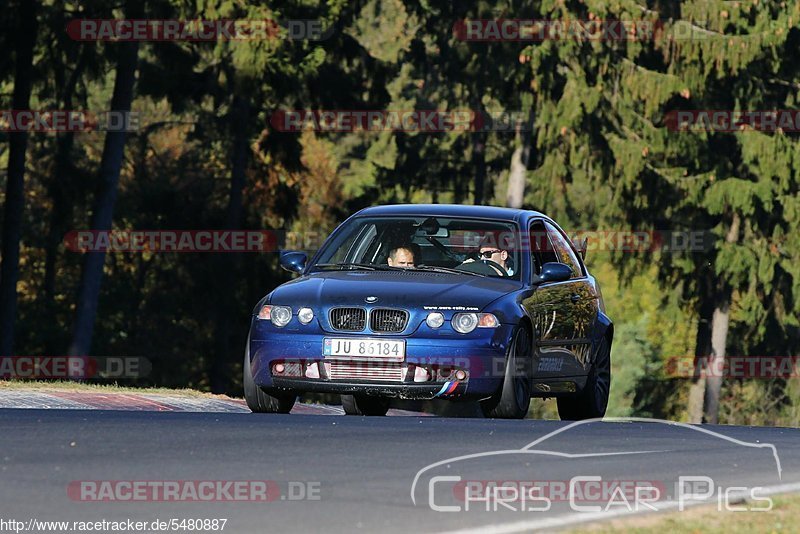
column 554, row 272
column 294, row 262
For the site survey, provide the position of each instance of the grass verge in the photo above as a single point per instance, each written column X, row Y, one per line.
column 784, row 517
column 66, row 385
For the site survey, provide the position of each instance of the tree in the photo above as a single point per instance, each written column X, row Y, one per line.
column 605, row 153
column 106, row 196
column 15, row 184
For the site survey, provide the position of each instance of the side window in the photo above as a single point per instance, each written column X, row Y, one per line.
column 541, row 249
column 355, row 245
column 564, row 250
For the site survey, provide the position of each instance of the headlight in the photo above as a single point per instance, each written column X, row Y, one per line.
column 435, row 320
column 279, row 315
column 305, row 315
column 464, row 323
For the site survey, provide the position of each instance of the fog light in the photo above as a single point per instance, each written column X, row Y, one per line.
column 461, row 375
column 435, row 320
column 278, row 368
column 305, row 315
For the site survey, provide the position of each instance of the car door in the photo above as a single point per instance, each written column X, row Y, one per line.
column 560, row 310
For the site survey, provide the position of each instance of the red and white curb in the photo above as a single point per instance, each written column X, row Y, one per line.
column 148, row 402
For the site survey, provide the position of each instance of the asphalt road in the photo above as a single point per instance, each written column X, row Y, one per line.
column 360, row 471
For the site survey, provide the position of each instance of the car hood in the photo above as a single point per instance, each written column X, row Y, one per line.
column 411, row 289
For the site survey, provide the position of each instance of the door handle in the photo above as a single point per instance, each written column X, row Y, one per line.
column 575, row 298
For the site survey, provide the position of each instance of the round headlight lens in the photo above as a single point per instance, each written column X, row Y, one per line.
column 464, row 323
column 435, row 320
column 281, row 315
column 305, row 315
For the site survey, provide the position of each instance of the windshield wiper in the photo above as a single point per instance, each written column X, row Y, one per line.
column 445, row 270
column 368, row 266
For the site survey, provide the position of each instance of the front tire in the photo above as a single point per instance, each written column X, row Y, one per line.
column 363, row 405
column 592, row 401
column 258, row 400
column 514, row 397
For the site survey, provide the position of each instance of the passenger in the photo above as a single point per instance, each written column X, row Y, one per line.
column 402, row 256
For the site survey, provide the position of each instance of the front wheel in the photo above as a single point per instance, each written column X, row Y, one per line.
column 514, row 397
column 592, row 401
column 363, row 405
column 258, row 400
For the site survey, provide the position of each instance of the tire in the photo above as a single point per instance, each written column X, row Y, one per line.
column 514, row 397
column 259, row 401
column 592, row 401
column 363, row 405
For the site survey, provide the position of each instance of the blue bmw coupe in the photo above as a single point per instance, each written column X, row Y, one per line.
column 435, row 302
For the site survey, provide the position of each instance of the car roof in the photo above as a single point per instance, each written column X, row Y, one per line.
column 451, row 210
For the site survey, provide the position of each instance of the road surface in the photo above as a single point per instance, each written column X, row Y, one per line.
column 358, row 471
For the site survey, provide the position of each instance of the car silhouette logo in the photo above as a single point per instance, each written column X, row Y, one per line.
column 371, row 299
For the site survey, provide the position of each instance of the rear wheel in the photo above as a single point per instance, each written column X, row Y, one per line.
column 514, row 397
column 364, row 405
column 259, row 401
column 590, row 403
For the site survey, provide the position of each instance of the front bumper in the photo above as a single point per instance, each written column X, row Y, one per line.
column 481, row 355
column 408, row 391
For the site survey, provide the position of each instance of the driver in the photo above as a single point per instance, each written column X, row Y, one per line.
column 488, row 250
column 402, row 256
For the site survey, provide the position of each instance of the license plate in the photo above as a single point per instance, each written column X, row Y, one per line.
column 390, row 350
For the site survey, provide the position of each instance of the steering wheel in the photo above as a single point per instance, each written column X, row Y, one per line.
column 494, row 265
column 487, row 267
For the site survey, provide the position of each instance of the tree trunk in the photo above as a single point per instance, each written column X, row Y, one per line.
column 479, row 164
column 517, row 174
column 15, row 184
column 479, row 139
column 719, row 338
column 103, row 211
column 720, row 320
column 61, row 181
column 227, row 305
column 703, row 348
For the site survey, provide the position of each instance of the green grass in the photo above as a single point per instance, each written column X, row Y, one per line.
column 784, row 517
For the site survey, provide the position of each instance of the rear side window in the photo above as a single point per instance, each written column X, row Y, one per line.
column 564, row 251
column 541, row 249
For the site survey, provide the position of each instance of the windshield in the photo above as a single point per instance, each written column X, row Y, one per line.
column 461, row 246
